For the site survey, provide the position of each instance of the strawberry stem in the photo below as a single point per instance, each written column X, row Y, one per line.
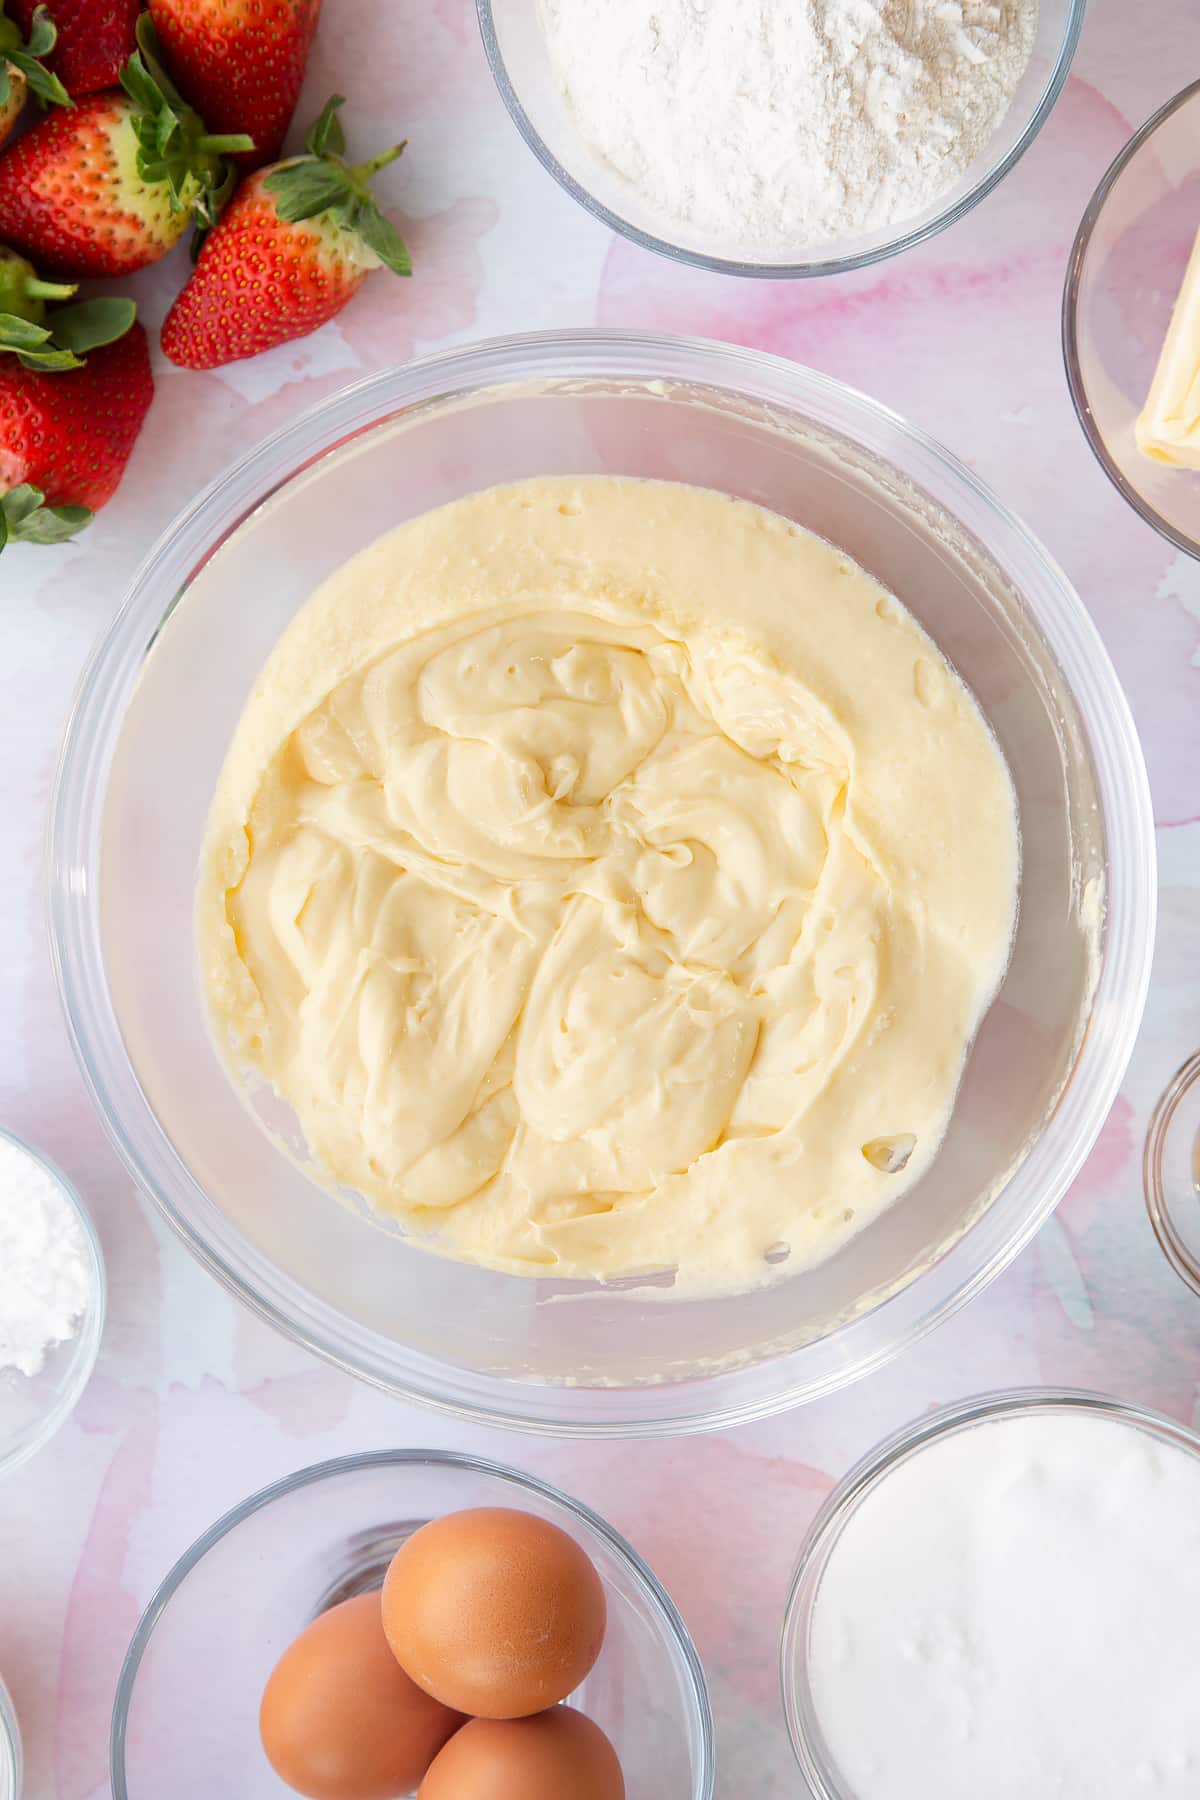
column 228, row 145
column 364, row 171
column 48, row 290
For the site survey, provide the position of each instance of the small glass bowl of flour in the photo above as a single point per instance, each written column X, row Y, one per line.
column 779, row 137
column 52, row 1293
column 1004, row 1600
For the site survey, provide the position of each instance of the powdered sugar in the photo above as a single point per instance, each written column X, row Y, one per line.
column 770, row 127
column 45, row 1271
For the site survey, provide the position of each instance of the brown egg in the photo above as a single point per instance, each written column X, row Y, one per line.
column 494, row 1612
column 556, row 1755
column 340, row 1720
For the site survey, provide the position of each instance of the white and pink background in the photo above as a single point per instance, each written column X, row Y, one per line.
column 194, row 1403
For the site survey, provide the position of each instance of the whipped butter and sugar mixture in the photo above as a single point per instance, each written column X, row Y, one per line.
column 611, row 876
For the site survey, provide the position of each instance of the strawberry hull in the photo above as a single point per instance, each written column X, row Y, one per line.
column 11, row 109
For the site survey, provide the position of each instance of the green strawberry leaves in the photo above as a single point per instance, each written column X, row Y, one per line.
column 326, row 133
column 323, row 182
column 70, row 334
column 383, row 238
column 27, row 57
column 31, row 345
column 26, row 519
column 306, row 189
column 90, row 324
column 172, row 145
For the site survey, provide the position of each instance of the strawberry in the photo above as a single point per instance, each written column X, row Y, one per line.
column 240, row 62
column 67, row 425
column 294, row 245
column 23, row 70
column 95, row 39
column 111, row 185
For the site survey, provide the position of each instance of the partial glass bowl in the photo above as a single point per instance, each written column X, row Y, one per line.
column 822, row 1777
column 149, row 731
column 34, row 1407
column 10, row 1748
column 185, row 1717
column 517, row 52
column 1171, row 1172
column 1123, row 278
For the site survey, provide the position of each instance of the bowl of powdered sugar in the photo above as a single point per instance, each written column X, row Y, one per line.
column 779, row 137
column 51, row 1300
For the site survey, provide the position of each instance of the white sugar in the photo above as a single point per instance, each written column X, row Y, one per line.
column 1016, row 1612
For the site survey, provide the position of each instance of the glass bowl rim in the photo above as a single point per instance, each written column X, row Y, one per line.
column 11, row 1758
column 563, row 359
column 1158, row 1201
column 872, row 1469
column 85, row 1346
column 827, row 264
column 1070, row 322
column 650, row 1589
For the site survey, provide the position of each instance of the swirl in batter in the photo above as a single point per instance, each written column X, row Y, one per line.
column 611, row 876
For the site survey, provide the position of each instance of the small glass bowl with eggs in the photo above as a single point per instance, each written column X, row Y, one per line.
column 393, row 1586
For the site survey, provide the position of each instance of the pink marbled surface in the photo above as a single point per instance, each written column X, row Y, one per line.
column 194, row 1403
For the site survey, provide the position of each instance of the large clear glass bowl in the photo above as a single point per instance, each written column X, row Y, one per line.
column 185, row 1718
column 823, row 1780
column 1124, row 275
column 149, row 730
column 516, row 49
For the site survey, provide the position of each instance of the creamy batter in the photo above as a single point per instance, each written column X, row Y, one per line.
column 611, row 876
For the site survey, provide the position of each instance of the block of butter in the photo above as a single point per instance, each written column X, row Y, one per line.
column 1168, row 429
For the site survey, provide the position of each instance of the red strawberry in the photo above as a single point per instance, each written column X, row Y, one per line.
column 295, row 244
column 95, row 39
column 23, row 68
column 67, row 426
column 240, row 62
column 111, row 184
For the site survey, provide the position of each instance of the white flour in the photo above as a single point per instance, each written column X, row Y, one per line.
column 45, row 1274
column 768, row 126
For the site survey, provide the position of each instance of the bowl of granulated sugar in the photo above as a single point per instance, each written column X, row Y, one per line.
column 779, row 137
column 51, row 1300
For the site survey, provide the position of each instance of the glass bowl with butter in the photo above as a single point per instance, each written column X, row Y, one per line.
column 629, row 1350
column 1131, row 321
